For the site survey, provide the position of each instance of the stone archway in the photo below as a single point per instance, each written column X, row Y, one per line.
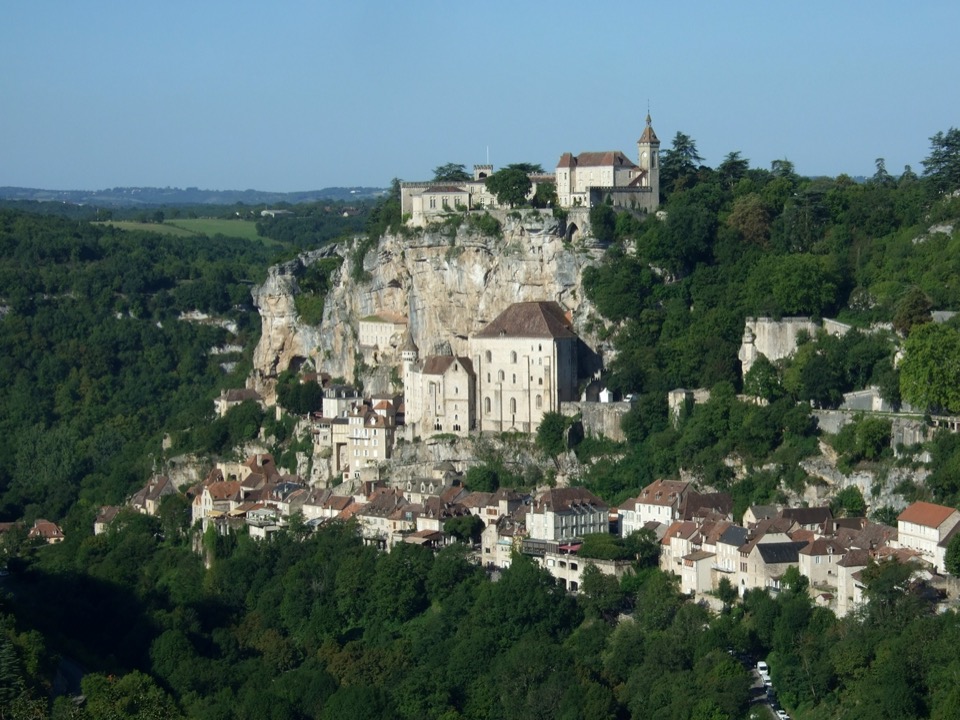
column 572, row 231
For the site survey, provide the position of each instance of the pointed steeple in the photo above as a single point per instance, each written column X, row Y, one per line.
column 649, row 136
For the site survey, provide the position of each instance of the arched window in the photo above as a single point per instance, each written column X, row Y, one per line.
column 486, row 405
column 514, row 381
column 488, row 356
column 513, row 405
column 513, row 356
column 500, row 376
column 539, row 401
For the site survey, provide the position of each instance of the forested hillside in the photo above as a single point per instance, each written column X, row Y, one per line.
column 97, row 364
column 738, row 242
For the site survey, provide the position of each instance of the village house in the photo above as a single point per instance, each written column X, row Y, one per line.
column 47, row 531
column 105, row 515
column 374, row 518
column 381, row 333
column 231, row 398
column 660, row 501
column 925, row 527
column 501, row 539
column 147, row 499
column 567, row 513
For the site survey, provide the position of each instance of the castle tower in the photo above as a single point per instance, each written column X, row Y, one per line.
column 648, row 158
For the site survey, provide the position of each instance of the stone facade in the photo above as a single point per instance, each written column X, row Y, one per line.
column 583, row 180
column 526, row 365
column 439, row 394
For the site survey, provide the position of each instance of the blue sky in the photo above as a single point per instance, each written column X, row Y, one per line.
column 294, row 95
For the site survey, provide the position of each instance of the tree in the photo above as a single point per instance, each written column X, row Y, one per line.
column 750, row 217
column 952, row 559
column 849, row 502
column 942, row 166
column 603, row 223
column 529, row 168
column 465, row 528
column 913, row 308
column 881, row 176
column 679, row 162
column 930, row 371
column 762, row 380
column 601, row 594
column 451, row 172
column 733, row 169
column 510, row 185
column 551, row 433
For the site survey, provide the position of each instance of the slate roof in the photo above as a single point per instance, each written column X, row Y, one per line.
column 542, row 319
column 780, row 552
column 734, row 535
column 808, row 515
column 926, row 514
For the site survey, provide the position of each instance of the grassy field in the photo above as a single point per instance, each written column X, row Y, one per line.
column 191, row 227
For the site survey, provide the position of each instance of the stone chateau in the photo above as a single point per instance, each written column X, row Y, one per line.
column 583, row 180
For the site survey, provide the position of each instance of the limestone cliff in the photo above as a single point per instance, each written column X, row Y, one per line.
column 448, row 285
column 284, row 340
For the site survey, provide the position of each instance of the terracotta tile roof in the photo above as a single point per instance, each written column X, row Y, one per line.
column 107, row 513
column 702, row 504
column 605, row 158
column 351, row 510
column 529, row 320
column 568, row 499
column 437, row 189
column 663, row 492
column 683, row 529
column 821, row 546
column 224, row 490
column 46, row 530
column 476, row 500
column 926, row 514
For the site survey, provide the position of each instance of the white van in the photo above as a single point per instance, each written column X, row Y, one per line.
column 763, row 668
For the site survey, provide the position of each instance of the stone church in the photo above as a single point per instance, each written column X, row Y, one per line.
column 522, row 364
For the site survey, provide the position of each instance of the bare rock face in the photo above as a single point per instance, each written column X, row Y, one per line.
column 448, row 286
column 284, row 341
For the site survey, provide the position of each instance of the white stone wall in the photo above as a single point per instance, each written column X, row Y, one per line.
column 520, row 379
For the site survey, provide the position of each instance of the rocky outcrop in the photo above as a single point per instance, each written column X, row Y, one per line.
column 448, row 285
column 284, row 340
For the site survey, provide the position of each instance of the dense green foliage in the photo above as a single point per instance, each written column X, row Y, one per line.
column 313, row 224
column 673, row 295
column 95, row 363
column 321, row 626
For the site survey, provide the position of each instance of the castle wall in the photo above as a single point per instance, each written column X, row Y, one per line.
column 599, row 418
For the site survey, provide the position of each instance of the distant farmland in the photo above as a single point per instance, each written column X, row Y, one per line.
column 192, row 227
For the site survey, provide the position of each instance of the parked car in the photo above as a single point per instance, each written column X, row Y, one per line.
column 763, row 668
column 782, row 715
